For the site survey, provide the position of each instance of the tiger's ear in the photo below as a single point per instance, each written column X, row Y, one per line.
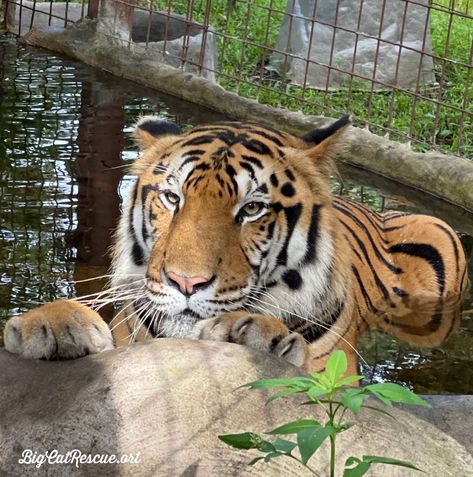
column 149, row 129
column 321, row 144
column 319, row 135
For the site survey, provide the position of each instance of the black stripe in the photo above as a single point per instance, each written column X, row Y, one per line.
column 267, row 136
column 393, row 215
column 257, row 147
column 366, row 296
column 250, row 170
column 292, row 216
column 159, row 169
column 265, row 126
column 197, row 141
column 253, row 160
column 132, row 209
column 377, row 280
column 145, row 191
column 187, row 161
column 355, row 251
column 136, row 250
column 214, row 128
column 312, row 236
column 400, row 292
column 194, row 152
column 290, row 175
column 454, row 245
column 372, row 216
column 426, row 252
column 375, row 248
column 263, row 188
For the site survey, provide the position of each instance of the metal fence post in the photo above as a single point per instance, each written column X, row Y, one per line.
column 7, row 16
column 93, row 8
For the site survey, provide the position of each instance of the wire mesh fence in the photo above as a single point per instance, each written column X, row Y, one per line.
column 401, row 67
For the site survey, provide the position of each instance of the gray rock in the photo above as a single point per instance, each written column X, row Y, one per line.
column 451, row 414
column 168, row 400
column 352, row 47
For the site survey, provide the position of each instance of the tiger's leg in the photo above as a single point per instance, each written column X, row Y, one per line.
column 57, row 330
column 265, row 333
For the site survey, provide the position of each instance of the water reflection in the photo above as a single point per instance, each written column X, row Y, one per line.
column 62, row 177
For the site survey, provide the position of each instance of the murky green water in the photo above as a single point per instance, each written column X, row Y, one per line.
column 65, row 137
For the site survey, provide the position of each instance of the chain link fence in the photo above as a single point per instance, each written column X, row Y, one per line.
column 402, row 68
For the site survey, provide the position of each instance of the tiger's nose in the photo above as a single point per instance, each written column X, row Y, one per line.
column 188, row 285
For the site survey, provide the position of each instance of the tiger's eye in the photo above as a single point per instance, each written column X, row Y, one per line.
column 172, row 198
column 252, row 208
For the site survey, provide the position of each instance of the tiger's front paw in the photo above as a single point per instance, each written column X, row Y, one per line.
column 265, row 333
column 57, row 330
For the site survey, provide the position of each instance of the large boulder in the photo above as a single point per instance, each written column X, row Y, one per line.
column 334, row 44
column 168, row 400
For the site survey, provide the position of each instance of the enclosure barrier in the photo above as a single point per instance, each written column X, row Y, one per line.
column 401, row 68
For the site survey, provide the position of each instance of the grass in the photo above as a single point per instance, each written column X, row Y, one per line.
column 242, row 34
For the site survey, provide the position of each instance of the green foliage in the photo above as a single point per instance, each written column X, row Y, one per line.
column 332, row 391
column 246, row 35
column 362, row 466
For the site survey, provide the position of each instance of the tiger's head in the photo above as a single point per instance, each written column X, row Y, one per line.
column 227, row 217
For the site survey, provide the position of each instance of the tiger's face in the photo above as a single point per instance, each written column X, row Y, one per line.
column 226, row 217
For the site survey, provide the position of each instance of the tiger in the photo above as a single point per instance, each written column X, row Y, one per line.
column 231, row 233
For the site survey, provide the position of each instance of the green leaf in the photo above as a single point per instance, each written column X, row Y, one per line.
column 296, row 426
column 309, row 440
column 348, row 380
column 245, row 440
column 265, row 446
column 256, row 459
column 344, row 427
column 272, row 455
column 362, row 466
column 377, row 409
column 282, row 445
column 360, row 469
column 375, row 459
column 336, row 365
column 382, row 398
column 322, row 380
column 353, row 399
column 395, row 393
column 296, row 383
column 352, row 460
column 314, row 392
column 280, row 394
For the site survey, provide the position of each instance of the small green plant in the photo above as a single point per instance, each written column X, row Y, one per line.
column 333, row 391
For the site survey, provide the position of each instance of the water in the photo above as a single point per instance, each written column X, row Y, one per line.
column 66, row 137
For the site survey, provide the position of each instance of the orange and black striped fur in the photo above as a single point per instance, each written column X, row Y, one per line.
column 231, row 233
